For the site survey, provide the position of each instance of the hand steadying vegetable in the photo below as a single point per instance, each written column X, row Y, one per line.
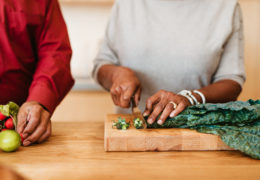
column 122, row 83
column 219, row 92
column 160, row 103
column 33, row 123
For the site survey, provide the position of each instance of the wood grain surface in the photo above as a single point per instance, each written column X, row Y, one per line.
column 157, row 139
column 76, row 151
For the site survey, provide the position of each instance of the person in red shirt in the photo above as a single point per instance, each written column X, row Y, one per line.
column 35, row 58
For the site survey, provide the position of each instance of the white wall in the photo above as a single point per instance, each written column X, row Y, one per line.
column 86, row 25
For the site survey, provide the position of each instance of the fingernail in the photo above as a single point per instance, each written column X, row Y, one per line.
column 26, row 143
column 172, row 114
column 145, row 114
column 160, row 122
column 150, row 121
column 25, row 135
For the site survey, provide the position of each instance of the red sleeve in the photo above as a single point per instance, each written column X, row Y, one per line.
column 52, row 79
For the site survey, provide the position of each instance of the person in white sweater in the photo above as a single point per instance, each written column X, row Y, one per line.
column 155, row 49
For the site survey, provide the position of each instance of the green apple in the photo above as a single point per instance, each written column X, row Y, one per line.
column 10, row 140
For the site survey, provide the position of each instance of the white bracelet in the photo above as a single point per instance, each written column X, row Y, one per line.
column 186, row 93
column 201, row 95
column 194, row 98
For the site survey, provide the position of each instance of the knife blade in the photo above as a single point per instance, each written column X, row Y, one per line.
column 136, row 112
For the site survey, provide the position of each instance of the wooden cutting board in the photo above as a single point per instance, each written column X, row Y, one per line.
column 157, row 139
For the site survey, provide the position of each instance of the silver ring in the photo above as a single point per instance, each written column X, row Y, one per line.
column 174, row 104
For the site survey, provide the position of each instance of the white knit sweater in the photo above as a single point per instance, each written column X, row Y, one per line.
column 175, row 44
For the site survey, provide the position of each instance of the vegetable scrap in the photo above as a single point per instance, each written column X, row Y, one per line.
column 121, row 124
column 138, row 123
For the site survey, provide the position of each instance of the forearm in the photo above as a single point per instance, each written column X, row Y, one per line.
column 105, row 75
column 220, row 92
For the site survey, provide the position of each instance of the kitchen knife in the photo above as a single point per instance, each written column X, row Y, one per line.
column 136, row 112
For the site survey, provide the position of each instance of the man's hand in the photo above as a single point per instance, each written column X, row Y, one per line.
column 33, row 123
column 125, row 85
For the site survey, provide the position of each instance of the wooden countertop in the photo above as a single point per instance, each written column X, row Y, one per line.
column 76, row 151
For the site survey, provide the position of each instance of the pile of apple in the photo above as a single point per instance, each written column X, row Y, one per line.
column 6, row 122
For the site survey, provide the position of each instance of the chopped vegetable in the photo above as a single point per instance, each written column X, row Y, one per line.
column 121, row 124
column 138, row 123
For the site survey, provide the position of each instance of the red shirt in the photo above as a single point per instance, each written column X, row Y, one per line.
column 34, row 53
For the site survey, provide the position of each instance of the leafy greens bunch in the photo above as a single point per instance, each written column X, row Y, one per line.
column 237, row 123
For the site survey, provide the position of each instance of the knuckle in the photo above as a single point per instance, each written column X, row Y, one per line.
column 32, row 139
column 130, row 83
column 112, row 91
column 169, row 107
column 126, row 98
column 28, row 130
column 37, row 109
column 34, row 120
column 158, row 107
column 169, row 94
column 42, row 129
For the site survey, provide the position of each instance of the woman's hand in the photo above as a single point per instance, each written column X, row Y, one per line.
column 33, row 123
column 163, row 102
column 125, row 85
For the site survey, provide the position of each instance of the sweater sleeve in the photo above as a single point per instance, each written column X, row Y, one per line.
column 107, row 53
column 232, row 61
column 52, row 77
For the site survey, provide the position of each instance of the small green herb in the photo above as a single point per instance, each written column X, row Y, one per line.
column 121, row 124
column 138, row 123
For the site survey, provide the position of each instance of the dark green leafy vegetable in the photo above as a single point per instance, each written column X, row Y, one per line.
column 237, row 123
column 138, row 123
column 246, row 138
column 121, row 124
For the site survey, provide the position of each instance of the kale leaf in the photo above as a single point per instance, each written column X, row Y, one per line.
column 237, row 123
